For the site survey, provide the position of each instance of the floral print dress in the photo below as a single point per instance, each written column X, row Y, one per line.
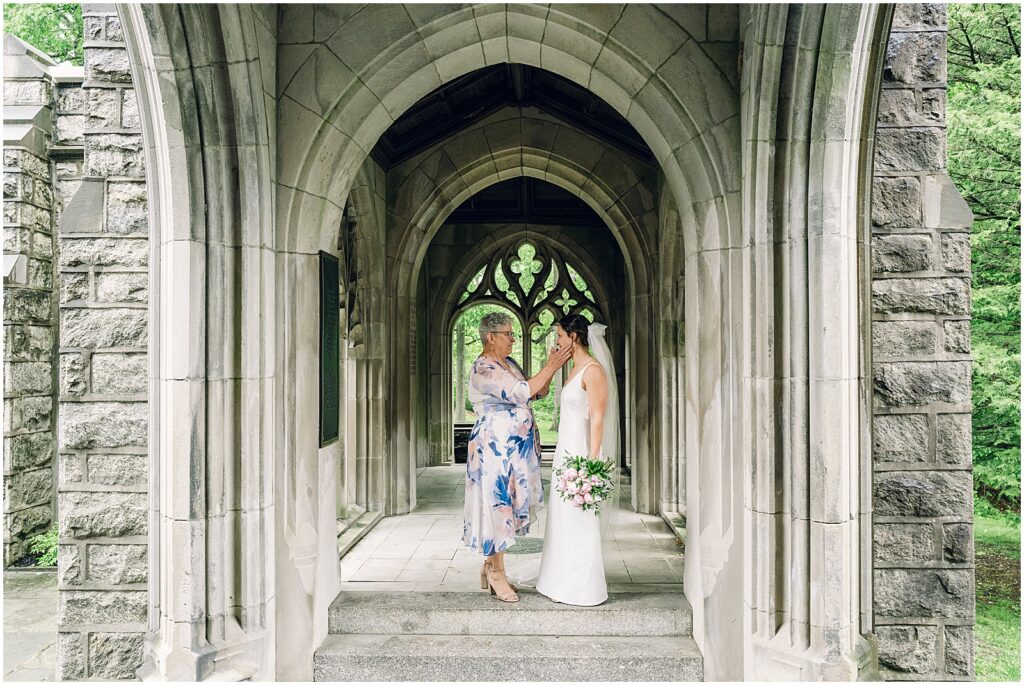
column 503, row 461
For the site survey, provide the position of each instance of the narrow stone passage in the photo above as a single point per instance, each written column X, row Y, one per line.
column 423, row 551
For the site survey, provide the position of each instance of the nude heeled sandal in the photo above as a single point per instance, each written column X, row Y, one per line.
column 483, row 577
column 511, row 598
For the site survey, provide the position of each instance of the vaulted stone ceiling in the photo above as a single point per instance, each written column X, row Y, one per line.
column 525, row 200
column 469, row 98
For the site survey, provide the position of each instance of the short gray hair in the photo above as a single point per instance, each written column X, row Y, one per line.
column 492, row 322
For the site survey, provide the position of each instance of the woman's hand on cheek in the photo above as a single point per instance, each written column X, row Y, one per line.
column 558, row 357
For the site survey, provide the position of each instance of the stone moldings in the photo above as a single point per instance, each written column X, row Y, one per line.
column 509, row 143
column 923, row 499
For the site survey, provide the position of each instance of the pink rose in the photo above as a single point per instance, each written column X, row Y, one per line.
column 586, row 488
column 595, row 480
column 570, row 473
column 578, row 499
column 588, row 498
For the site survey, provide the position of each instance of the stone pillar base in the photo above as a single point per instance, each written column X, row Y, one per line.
column 165, row 662
column 777, row 660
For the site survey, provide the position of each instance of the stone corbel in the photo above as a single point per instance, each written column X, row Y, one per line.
column 944, row 207
column 349, row 275
column 84, row 212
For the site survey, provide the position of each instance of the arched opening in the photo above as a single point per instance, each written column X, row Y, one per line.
column 628, row 214
column 540, row 284
column 618, row 188
column 499, row 212
column 316, row 107
column 332, row 95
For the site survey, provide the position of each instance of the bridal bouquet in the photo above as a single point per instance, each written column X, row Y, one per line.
column 584, row 483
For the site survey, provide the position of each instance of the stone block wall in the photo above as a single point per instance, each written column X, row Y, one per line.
column 71, row 108
column 29, row 332
column 104, row 378
column 923, row 495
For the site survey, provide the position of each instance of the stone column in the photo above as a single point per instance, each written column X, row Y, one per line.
column 366, row 434
column 28, row 298
column 671, row 364
column 923, row 496
column 812, row 74
column 104, row 254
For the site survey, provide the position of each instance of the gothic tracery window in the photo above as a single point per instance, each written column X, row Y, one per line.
column 534, row 281
column 538, row 286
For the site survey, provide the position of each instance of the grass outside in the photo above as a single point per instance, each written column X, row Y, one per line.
column 997, row 631
column 548, row 436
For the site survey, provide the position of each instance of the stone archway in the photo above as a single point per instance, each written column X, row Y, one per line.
column 213, row 278
column 312, row 188
column 707, row 134
column 409, row 70
column 431, row 187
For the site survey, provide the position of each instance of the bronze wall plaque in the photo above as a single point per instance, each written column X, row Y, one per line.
column 330, row 350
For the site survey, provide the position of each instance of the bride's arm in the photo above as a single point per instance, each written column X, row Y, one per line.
column 596, row 386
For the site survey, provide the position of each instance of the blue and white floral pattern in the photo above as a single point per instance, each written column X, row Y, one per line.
column 503, row 462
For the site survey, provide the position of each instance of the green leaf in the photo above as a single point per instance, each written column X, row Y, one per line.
column 45, row 544
column 54, row 28
column 983, row 126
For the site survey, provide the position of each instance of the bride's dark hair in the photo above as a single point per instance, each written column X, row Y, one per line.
column 575, row 323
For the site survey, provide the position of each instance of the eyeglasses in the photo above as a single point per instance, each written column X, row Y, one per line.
column 510, row 334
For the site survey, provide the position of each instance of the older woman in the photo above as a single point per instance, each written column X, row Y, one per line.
column 503, row 465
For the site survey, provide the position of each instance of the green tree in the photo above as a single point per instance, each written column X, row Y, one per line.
column 470, row 321
column 54, row 28
column 984, row 162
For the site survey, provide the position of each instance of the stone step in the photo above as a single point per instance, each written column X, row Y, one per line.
column 476, row 613
column 450, row 658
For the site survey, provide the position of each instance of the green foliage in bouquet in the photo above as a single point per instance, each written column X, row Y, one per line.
column 594, row 467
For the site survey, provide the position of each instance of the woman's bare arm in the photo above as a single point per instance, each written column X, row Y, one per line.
column 596, row 385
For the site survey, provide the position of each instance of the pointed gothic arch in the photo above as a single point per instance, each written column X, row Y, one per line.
column 729, row 322
column 600, row 270
column 533, row 278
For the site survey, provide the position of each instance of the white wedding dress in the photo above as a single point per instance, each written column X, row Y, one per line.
column 572, row 568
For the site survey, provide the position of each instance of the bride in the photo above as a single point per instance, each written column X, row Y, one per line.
column 571, row 567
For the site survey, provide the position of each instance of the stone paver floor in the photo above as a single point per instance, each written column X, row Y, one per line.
column 423, row 551
column 418, row 552
column 30, row 625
